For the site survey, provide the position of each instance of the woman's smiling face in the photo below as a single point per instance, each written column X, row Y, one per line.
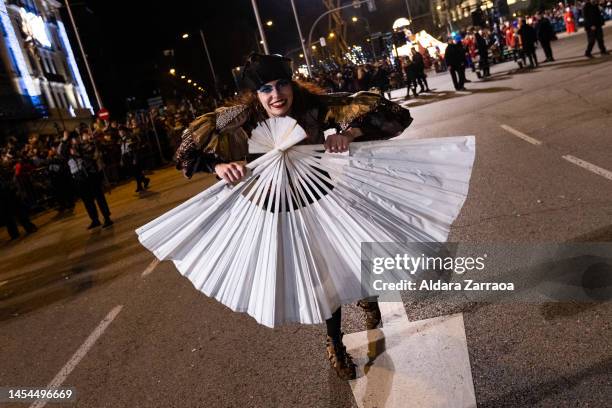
column 276, row 97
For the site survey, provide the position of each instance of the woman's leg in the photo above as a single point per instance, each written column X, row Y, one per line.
column 334, row 325
column 338, row 358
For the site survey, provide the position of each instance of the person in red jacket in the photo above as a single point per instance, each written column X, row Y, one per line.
column 570, row 21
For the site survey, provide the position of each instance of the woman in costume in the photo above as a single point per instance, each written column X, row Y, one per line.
column 217, row 142
column 280, row 237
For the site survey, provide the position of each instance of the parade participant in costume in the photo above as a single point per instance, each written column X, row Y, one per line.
column 570, row 21
column 216, row 142
column 283, row 242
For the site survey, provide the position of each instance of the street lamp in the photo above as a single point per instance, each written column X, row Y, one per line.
column 182, row 76
column 186, row 35
column 269, row 23
column 189, row 81
column 331, row 35
column 172, row 71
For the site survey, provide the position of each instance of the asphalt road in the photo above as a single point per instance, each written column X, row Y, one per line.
column 165, row 344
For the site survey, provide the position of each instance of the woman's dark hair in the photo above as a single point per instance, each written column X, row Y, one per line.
column 304, row 97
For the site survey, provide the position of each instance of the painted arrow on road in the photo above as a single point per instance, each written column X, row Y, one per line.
column 421, row 364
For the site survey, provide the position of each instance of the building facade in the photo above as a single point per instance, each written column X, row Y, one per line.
column 41, row 87
column 456, row 14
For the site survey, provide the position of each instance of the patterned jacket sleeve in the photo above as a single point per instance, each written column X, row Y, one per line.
column 213, row 138
column 377, row 117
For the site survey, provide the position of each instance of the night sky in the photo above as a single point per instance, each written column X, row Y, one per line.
column 125, row 40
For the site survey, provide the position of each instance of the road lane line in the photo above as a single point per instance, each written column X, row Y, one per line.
column 79, row 354
column 150, row 268
column 521, row 135
column 589, row 166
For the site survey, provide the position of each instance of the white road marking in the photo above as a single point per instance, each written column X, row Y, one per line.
column 589, row 166
column 150, row 268
column 419, row 364
column 79, row 354
column 521, row 135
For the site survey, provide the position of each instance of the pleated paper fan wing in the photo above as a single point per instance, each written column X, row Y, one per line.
column 284, row 244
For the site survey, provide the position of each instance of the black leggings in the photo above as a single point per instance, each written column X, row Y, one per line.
column 333, row 325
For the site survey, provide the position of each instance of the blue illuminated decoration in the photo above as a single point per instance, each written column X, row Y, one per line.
column 73, row 65
column 39, row 105
column 26, row 82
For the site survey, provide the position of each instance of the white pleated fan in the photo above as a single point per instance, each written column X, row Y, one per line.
column 284, row 244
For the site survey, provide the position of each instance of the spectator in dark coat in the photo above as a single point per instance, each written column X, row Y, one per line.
column 61, row 183
column 419, row 62
column 82, row 158
column 454, row 57
column 545, row 34
column 527, row 35
column 130, row 158
column 410, row 72
column 380, row 78
column 12, row 209
column 483, row 53
column 593, row 23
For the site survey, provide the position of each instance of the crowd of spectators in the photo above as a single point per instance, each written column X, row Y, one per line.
column 37, row 170
column 482, row 46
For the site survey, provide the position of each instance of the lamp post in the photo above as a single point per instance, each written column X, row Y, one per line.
column 78, row 37
column 408, row 9
column 260, row 26
column 297, row 23
column 353, row 4
column 207, row 54
column 212, row 69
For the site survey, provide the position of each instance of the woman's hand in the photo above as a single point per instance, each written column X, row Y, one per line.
column 339, row 143
column 233, row 173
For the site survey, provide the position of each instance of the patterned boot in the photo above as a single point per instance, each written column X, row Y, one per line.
column 372, row 313
column 340, row 360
